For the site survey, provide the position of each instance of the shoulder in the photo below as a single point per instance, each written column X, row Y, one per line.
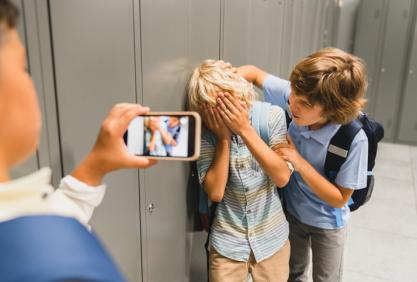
column 276, row 114
column 275, row 81
column 360, row 139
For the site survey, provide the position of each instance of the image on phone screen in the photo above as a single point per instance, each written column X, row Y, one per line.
column 161, row 136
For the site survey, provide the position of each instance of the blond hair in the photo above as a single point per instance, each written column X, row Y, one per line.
column 334, row 79
column 212, row 77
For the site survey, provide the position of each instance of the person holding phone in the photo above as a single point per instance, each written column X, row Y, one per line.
column 32, row 197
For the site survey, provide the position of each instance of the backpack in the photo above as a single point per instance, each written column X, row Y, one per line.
column 206, row 208
column 338, row 151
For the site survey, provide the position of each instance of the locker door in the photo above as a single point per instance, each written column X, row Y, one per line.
column 253, row 33
column 298, row 19
column 94, row 56
column 368, row 41
column 408, row 119
column 287, row 38
column 393, row 59
column 31, row 164
column 175, row 37
column 308, row 21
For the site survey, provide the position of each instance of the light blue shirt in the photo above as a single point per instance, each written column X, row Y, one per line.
column 300, row 200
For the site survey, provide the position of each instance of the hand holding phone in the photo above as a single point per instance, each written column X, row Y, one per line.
column 165, row 135
column 109, row 152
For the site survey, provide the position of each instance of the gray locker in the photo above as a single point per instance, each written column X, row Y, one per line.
column 368, row 39
column 347, row 15
column 318, row 25
column 94, row 59
column 297, row 27
column 308, row 22
column 252, row 33
column 287, row 39
column 408, row 114
column 188, row 31
column 392, row 65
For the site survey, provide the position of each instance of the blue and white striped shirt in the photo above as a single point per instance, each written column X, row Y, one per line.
column 250, row 217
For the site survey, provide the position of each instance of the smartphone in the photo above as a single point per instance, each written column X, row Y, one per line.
column 165, row 135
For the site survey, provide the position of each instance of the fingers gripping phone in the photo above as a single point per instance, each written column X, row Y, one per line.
column 165, row 135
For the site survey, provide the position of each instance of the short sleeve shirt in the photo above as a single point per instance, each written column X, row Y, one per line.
column 250, row 217
column 300, row 200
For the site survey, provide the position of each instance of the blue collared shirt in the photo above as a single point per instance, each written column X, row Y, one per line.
column 301, row 201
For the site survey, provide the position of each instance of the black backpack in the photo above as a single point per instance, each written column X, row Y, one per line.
column 338, row 151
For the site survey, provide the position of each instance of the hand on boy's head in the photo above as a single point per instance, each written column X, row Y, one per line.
column 234, row 113
column 110, row 152
column 228, row 66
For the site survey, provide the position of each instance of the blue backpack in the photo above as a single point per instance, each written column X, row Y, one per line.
column 46, row 248
column 338, row 151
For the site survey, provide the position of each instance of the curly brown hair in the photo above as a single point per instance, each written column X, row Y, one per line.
column 334, row 79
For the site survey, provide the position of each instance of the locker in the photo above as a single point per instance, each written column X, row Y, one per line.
column 94, row 63
column 368, row 39
column 287, row 38
column 319, row 25
column 295, row 49
column 392, row 65
column 309, row 12
column 346, row 14
column 253, row 33
column 408, row 117
column 188, row 32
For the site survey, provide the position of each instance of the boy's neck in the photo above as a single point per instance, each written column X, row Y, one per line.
column 318, row 125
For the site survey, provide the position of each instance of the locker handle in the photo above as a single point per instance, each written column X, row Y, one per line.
column 151, row 208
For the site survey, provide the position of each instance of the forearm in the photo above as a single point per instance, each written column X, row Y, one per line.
column 90, row 171
column 252, row 74
column 218, row 173
column 324, row 189
column 166, row 137
column 271, row 162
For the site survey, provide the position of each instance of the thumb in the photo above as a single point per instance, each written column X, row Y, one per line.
column 140, row 162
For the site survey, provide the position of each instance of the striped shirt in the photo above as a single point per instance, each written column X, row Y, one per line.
column 250, row 217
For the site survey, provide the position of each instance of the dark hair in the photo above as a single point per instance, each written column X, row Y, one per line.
column 8, row 14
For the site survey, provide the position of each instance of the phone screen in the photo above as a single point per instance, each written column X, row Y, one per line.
column 161, row 136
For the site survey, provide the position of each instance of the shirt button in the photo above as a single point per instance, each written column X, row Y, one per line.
column 241, row 166
column 248, row 211
column 250, row 234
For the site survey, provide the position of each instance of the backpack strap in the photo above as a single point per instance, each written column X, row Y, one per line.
column 337, row 153
column 260, row 118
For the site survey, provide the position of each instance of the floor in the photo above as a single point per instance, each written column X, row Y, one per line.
column 382, row 240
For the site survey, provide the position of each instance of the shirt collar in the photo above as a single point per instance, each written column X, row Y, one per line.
column 322, row 135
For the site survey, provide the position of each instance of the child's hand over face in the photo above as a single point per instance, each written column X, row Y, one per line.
column 234, row 113
column 290, row 153
column 214, row 123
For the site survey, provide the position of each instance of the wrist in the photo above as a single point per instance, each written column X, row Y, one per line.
column 245, row 131
column 301, row 166
column 90, row 171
